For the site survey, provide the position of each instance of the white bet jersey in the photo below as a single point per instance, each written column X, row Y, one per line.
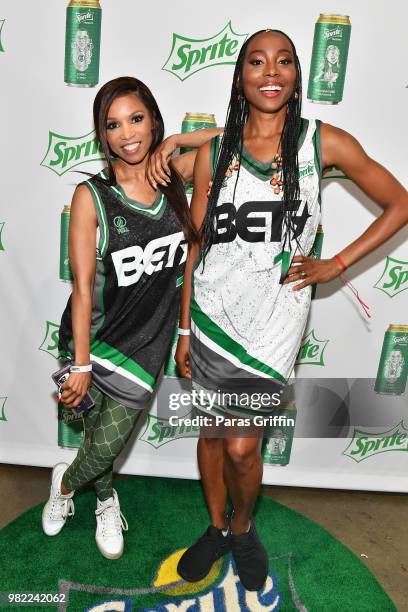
column 244, row 322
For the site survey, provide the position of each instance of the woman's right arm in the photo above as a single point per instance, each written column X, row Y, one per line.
column 198, row 209
column 82, row 244
column 159, row 171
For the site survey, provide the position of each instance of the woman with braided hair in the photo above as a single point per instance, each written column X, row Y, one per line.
column 256, row 203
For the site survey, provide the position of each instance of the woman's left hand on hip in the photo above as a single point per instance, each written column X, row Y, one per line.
column 309, row 271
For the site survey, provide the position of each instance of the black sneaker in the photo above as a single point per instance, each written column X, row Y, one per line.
column 250, row 558
column 197, row 560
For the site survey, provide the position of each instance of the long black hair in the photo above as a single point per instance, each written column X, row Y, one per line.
column 122, row 86
column 232, row 143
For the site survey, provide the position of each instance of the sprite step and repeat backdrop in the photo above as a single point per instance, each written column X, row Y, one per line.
column 350, row 412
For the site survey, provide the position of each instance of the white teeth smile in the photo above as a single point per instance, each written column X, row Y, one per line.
column 271, row 88
column 132, row 146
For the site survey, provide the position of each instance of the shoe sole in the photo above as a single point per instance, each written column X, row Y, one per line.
column 253, row 589
column 107, row 555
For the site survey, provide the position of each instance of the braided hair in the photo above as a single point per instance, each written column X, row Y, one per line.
column 232, row 143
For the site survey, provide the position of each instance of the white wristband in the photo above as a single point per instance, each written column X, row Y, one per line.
column 79, row 368
column 183, row 332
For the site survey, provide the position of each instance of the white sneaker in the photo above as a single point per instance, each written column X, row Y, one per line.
column 58, row 506
column 109, row 525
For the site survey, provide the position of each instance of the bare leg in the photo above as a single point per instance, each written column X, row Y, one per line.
column 243, row 470
column 64, row 490
column 210, row 454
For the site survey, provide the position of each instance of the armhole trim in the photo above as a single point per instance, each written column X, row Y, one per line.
column 102, row 221
column 303, row 129
column 317, row 147
column 318, row 157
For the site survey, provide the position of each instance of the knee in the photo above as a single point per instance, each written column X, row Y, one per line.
column 242, row 456
column 210, row 444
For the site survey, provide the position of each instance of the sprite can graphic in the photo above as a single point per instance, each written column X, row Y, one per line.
column 329, row 59
column 317, row 251
column 393, row 367
column 65, row 273
column 192, row 122
column 82, row 43
column 277, row 447
column 70, row 435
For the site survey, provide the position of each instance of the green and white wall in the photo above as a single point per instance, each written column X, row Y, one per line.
column 47, row 137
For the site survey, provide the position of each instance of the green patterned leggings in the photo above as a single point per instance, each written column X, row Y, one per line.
column 107, row 428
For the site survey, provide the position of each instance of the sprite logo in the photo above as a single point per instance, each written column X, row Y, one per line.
column 311, row 350
column 401, row 340
column 84, row 17
column 3, row 401
column 65, row 152
column 190, row 55
column 335, row 173
column 159, row 432
column 220, row 590
column 366, row 444
column 333, row 33
column 394, row 279
column 1, row 231
column 50, row 342
column 120, row 224
column 1, row 28
column 306, row 170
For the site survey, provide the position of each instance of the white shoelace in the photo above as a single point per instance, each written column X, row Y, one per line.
column 61, row 508
column 113, row 521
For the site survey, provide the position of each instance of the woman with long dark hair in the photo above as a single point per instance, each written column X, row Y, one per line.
column 256, row 203
column 118, row 323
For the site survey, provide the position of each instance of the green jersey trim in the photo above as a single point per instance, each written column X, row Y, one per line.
column 219, row 337
column 304, row 126
column 103, row 224
column 261, row 170
column 151, row 211
column 318, row 157
column 116, row 361
column 265, row 171
column 179, row 281
column 317, row 148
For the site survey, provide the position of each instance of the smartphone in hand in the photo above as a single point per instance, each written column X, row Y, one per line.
column 60, row 377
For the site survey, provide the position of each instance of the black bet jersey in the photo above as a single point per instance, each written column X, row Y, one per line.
column 139, row 273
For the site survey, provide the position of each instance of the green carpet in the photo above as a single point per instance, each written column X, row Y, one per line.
column 309, row 569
